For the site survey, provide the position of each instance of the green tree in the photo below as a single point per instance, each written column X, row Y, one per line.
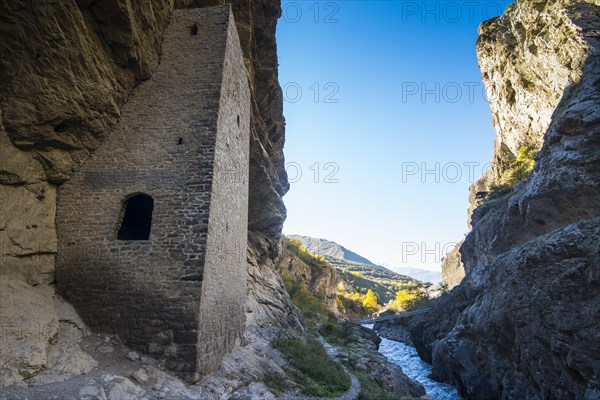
column 523, row 165
column 518, row 171
column 444, row 287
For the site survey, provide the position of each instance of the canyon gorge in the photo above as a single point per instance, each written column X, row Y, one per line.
column 522, row 318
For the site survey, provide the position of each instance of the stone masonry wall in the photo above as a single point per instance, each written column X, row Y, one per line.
column 222, row 306
column 149, row 292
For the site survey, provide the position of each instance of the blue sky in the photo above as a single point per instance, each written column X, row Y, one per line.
column 387, row 123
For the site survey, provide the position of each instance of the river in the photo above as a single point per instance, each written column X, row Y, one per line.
column 407, row 358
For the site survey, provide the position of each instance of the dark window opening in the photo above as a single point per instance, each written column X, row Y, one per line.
column 180, row 141
column 238, row 121
column 137, row 218
column 194, row 30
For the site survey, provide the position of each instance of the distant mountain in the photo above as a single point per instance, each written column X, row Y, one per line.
column 328, row 248
column 359, row 271
column 423, row 275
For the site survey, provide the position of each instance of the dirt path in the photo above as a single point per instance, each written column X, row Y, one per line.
column 351, row 394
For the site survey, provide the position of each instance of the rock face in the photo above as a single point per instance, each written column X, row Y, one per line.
column 542, row 44
column 68, row 67
column 267, row 302
column 66, row 71
column 524, row 321
column 321, row 280
column 453, row 270
column 529, row 58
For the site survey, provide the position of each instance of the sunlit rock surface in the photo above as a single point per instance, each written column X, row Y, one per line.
column 321, row 280
column 530, row 58
column 453, row 271
column 524, row 322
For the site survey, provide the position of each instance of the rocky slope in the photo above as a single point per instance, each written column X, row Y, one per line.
column 321, row 280
column 524, row 322
column 453, row 270
column 357, row 348
column 543, row 45
column 122, row 374
column 66, row 69
column 330, row 249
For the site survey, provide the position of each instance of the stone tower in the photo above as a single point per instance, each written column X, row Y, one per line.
column 153, row 227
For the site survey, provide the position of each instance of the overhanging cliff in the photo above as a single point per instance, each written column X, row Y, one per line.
column 66, row 70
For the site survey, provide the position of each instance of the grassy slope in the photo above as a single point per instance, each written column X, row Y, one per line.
column 383, row 282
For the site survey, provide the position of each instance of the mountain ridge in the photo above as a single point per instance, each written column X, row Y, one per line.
column 326, row 247
column 329, row 248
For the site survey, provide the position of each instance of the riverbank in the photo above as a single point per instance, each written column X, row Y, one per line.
column 356, row 348
column 406, row 357
column 402, row 353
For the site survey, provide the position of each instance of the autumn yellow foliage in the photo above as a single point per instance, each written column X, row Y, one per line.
column 407, row 299
column 369, row 300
